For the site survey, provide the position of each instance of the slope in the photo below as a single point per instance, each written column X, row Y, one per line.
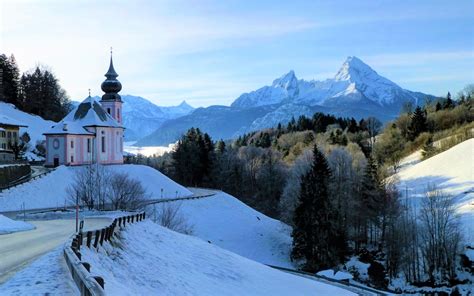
column 183, row 265
column 225, row 221
column 36, row 125
column 451, row 171
column 51, row 190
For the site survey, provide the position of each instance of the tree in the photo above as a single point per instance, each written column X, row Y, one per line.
column 314, row 236
column 125, row 193
column 418, row 123
column 448, row 104
column 10, row 75
column 373, row 127
column 41, row 94
column 441, row 235
column 428, row 149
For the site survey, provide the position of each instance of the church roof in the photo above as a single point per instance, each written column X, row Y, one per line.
column 87, row 114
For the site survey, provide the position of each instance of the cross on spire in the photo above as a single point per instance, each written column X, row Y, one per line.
column 89, row 92
column 111, row 51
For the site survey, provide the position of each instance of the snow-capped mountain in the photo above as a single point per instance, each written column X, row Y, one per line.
column 355, row 91
column 354, row 82
column 142, row 117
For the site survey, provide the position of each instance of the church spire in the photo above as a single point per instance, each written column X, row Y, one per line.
column 111, row 86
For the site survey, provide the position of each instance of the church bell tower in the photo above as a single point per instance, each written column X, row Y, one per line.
column 111, row 100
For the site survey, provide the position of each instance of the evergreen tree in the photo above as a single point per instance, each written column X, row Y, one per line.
column 220, row 146
column 448, row 104
column 41, row 94
column 10, row 75
column 314, row 236
column 418, row 123
column 438, row 106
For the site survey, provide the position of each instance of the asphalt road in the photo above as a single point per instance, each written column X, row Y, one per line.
column 19, row 249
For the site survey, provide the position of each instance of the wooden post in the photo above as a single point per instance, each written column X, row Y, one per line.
column 100, row 281
column 89, row 238
column 102, row 234
column 87, row 266
column 96, row 241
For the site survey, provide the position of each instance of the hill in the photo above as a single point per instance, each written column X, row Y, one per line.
column 183, row 265
column 39, row 193
column 451, row 171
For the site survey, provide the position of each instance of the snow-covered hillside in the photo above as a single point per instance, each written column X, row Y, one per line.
column 157, row 261
column 451, row 171
column 225, row 221
column 36, row 125
column 51, row 190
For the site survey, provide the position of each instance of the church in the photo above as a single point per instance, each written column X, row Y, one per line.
column 92, row 132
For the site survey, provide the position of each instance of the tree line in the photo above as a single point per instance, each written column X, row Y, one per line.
column 36, row 91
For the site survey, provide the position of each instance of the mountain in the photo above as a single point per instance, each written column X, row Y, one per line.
column 355, row 91
column 142, row 117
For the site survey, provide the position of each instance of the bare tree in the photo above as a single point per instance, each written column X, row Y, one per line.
column 441, row 235
column 88, row 186
column 373, row 127
column 169, row 215
column 125, row 193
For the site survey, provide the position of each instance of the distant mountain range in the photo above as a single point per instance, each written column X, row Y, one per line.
column 141, row 117
column 355, row 91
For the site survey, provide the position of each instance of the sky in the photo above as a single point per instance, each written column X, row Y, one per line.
column 209, row 52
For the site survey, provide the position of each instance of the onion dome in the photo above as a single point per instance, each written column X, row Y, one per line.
column 111, row 86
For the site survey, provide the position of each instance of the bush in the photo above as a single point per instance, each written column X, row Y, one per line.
column 376, row 273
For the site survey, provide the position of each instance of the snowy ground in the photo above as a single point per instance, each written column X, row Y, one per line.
column 9, row 226
column 451, row 171
column 225, row 221
column 51, row 190
column 147, row 151
column 183, row 265
column 48, row 275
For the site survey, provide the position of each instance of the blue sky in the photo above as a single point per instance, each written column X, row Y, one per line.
column 209, row 52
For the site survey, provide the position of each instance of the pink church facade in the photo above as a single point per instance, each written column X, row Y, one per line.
column 92, row 132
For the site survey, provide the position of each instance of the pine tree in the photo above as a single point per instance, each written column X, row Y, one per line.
column 10, row 74
column 418, row 123
column 314, row 236
column 448, row 104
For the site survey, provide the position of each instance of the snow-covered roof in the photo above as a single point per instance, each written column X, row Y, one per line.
column 88, row 113
column 10, row 121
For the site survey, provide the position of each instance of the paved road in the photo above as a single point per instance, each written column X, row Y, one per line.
column 19, row 249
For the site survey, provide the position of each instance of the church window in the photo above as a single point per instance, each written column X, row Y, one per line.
column 108, row 110
column 88, row 145
column 103, row 144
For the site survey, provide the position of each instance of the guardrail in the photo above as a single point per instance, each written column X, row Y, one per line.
column 88, row 284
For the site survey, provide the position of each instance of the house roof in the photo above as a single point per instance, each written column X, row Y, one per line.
column 5, row 120
column 89, row 113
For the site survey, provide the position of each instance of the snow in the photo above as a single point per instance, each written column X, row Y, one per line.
column 36, row 125
column 452, row 171
column 8, row 225
column 183, row 265
column 361, row 268
column 336, row 275
column 51, row 190
column 48, row 275
column 355, row 80
column 225, row 221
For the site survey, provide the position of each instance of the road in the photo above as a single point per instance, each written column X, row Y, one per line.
column 19, row 249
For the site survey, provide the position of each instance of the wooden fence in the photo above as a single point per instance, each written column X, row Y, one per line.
column 87, row 284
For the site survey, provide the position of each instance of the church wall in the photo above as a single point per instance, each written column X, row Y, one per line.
column 55, row 148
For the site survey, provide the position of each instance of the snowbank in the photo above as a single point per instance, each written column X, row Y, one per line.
column 51, row 190
column 451, row 171
column 8, row 225
column 183, row 265
column 225, row 221
column 336, row 275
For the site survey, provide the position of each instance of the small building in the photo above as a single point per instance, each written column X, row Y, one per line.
column 92, row 132
column 9, row 137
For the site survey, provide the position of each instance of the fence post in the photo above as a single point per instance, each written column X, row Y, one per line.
column 102, row 234
column 144, row 215
column 87, row 266
column 96, row 241
column 100, row 281
column 89, row 238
